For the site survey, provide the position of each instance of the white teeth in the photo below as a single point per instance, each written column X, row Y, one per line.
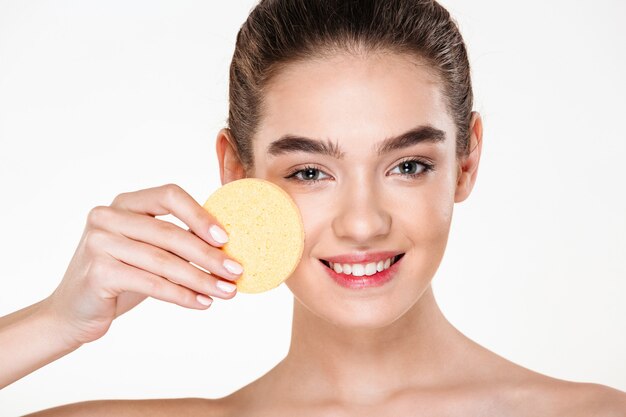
column 358, row 270
column 370, row 269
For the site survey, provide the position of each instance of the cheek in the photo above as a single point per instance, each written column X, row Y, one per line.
column 316, row 210
column 426, row 214
column 423, row 212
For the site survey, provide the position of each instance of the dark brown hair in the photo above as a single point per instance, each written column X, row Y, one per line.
column 279, row 32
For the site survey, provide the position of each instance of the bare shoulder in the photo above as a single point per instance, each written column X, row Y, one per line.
column 519, row 391
column 555, row 397
column 180, row 407
column 589, row 399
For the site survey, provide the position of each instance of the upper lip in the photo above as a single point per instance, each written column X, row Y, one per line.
column 361, row 257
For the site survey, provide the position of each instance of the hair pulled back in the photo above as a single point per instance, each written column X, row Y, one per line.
column 279, row 32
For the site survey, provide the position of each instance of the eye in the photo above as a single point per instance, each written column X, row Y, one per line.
column 413, row 167
column 310, row 175
column 410, row 167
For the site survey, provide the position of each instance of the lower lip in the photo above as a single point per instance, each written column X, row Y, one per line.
column 366, row 281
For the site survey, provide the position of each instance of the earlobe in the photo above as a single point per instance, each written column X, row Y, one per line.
column 231, row 168
column 468, row 166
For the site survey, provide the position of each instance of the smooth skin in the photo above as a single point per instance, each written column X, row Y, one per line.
column 377, row 351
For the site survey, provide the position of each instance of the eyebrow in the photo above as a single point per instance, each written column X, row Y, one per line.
column 292, row 143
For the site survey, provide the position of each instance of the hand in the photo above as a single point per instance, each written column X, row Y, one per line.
column 125, row 255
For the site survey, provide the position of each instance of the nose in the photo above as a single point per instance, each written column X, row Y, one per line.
column 362, row 217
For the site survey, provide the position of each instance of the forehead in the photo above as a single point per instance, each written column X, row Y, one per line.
column 351, row 100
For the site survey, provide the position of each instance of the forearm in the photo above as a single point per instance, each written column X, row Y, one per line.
column 29, row 339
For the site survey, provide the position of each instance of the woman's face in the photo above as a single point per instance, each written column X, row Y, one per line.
column 361, row 198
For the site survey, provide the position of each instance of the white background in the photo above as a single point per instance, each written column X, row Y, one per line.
column 102, row 97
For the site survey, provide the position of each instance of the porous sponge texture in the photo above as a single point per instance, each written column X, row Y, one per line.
column 265, row 231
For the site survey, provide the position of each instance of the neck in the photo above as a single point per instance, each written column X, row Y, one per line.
column 327, row 361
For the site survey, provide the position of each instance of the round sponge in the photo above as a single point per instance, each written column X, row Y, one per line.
column 265, row 231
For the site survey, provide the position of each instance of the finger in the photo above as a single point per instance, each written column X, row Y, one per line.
column 172, row 199
column 164, row 264
column 122, row 278
column 172, row 238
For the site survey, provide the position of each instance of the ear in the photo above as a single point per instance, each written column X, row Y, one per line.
column 468, row 166
column 231, row 168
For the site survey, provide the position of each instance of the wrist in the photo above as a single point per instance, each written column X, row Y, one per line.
column 55, row 327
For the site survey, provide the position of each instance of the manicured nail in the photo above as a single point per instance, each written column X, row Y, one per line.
column 205, row 301
column 226, row 286
column 218, row 234
column 233, row 267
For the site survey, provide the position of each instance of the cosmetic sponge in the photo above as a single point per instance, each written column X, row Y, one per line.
column 265, row 231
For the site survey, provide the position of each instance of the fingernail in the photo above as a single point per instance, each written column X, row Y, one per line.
column 233, row 267
column 218, row 234
column 226, row 286
column 205, row 301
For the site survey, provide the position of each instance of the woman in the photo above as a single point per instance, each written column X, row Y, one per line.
column 362, row 108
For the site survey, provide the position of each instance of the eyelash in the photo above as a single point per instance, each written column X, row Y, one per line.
column 427, row 168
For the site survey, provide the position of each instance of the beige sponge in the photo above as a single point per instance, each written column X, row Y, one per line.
column 265, row 231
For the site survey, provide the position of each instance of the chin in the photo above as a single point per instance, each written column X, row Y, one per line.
column 364, row 317
column 358, row 314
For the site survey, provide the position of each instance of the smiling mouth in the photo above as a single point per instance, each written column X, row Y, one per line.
column 395, row 259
